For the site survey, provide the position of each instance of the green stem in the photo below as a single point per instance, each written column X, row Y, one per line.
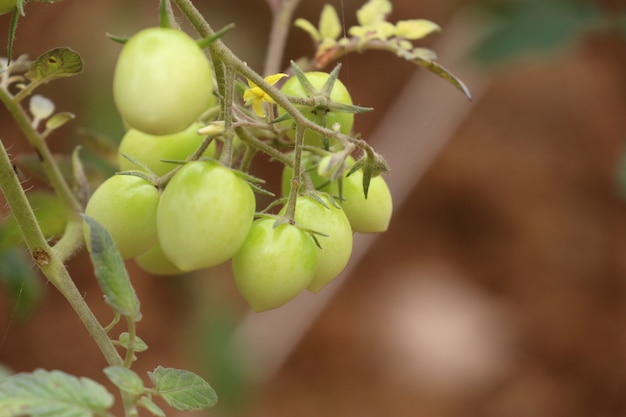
column 290, row 211
column 226, row 158
column 47, row 259
column 281, row 22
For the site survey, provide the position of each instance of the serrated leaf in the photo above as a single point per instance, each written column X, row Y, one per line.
column 52, row 394
column 125, row 379
column 308, row 27
column 111, row 273
column 330, row 25
column 442, row 72
column 149, row 405
column 183, row 390
column 374, row 11
column 415, row 28
column 137, row 344
column 41, row 107
column 56, row 63
column 59, row 120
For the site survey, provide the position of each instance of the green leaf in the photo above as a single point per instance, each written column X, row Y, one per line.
column 330, row 25
column 183, row 390
column 442, row 72
column 125, row 379
column 308, row 27
column 52, row 394
column 5, row 372
column 416, row 28
column 56, row 63
column 374, row 11
column 149, row 405
column 59, row 120
column 12, row 28
column 111, row 273
column 137, row 344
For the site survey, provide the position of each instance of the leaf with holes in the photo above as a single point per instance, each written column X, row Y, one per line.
column 56, row 63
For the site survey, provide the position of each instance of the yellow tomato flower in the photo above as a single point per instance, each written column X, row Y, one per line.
column 255, row 97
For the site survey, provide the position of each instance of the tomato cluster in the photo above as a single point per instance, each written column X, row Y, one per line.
column 174, row 214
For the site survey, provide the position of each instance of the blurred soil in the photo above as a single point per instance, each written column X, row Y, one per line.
column 498, row 290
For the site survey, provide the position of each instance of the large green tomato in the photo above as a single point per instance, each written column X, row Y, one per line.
column 274, row 265
column 366, row 215
column 339, row 94
column 126, row 206
column 162, row 81
column 204, row 215
column 336, row 247
column 151, row 150
column 7, row 6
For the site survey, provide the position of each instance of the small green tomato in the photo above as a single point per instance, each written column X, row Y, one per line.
column 155, row 262
column 366, row 215
column 7, row 6
column 152, row 150
column 336, row 247
column 204, row 215
column 162, row 81
column 274, row 264
column 126, row 206
column 339, row 94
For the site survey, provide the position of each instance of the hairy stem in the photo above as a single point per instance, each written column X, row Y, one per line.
column 47, row 259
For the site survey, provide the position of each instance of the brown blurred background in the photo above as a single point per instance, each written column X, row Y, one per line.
column 498, row 290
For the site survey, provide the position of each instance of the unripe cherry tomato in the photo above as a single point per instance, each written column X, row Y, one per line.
column 7, row 6
column 155, row 262
column 339, row 93
column 162, row 81
column 336, row 247
column 274, row 265
column 204, row 215
column 126, row 206
column 151, row 150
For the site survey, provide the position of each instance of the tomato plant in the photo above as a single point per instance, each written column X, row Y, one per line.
column 199, row 212
column 126, row 206
column 162, row 82
column 204, row 215
column 274, row 264
column 154, row 151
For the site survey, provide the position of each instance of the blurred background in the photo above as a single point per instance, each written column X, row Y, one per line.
column 499, row 289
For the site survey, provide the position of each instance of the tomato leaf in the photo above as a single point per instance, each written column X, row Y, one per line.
column 137, row 344
column 330, row 26
column 52, row 394
column 442, row 72
column 125, row 379
column 183, row 390
column 111, row 273
column 56, row 63
column 59, row 120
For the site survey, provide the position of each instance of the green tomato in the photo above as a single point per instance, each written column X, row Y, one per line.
column 7, row 6
column 151, row 150
column 126, row 206
column 274, row 265
column 309, row 162
column 366, row 215
column 339, row 94
column 204, row 215
column 162, row 81
column 155, row 262
column 336, row 247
